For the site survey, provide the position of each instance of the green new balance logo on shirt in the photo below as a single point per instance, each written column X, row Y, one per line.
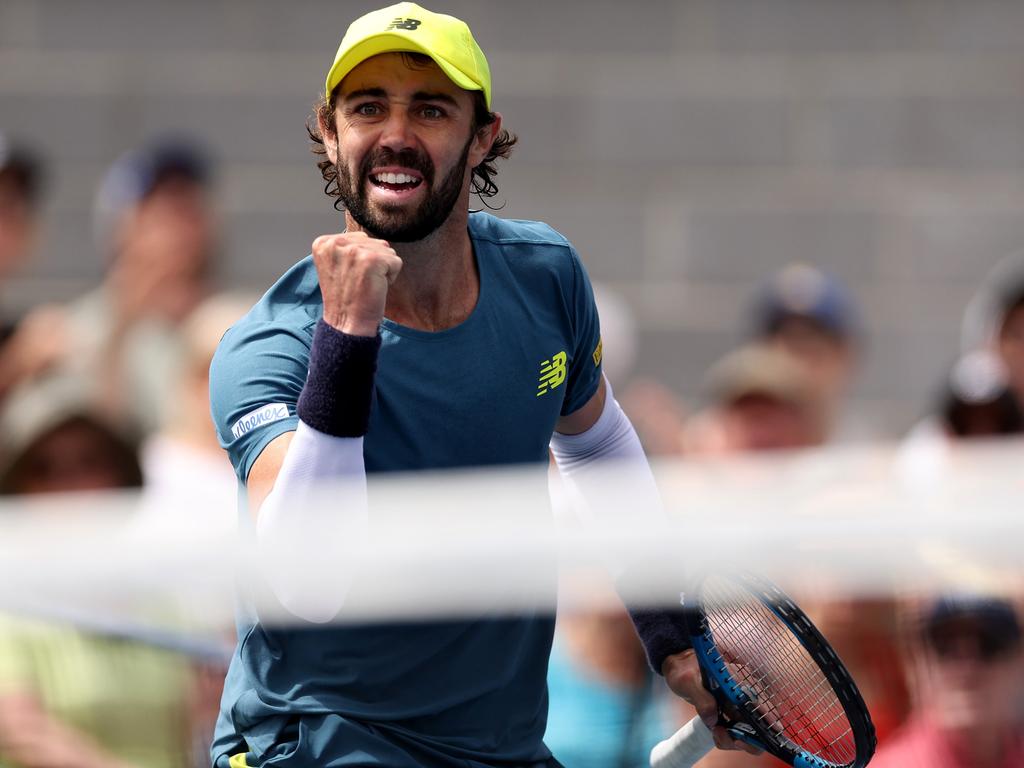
column 552, row 373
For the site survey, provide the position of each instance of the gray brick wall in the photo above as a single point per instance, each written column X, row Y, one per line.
column 687, row 147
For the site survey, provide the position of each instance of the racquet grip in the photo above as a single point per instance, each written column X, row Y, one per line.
column 685, row 747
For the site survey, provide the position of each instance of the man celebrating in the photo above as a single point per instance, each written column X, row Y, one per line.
column 421, row 337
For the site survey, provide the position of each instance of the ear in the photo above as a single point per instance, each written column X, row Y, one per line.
column 483, row 141
column 329, row 134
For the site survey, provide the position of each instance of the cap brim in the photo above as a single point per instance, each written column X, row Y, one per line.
column 390, row 42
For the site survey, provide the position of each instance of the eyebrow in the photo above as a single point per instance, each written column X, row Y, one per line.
column 380, row 93
column 442, row 97
column 363, row 92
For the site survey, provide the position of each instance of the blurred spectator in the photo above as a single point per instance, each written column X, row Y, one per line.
column 656, row 413
column 975, row 401
column 967, row 676
column 599, row 684
column 20, row 191
column 54, row 439
column 994, row 320
column 186, row 444
column 762, row 400
column 813, row 316
column 1010, row 340
column 153, row 215
column 70, row 698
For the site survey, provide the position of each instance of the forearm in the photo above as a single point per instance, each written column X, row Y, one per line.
column 310, row 527
column 607, row 474
column 311, row 523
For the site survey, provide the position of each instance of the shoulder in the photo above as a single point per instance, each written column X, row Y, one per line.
column 285, row 314
column 528, row 248
column 294, row 299
column 262, row 359
column 512, row 232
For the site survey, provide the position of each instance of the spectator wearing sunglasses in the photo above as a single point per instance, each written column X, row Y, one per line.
column 967, row 677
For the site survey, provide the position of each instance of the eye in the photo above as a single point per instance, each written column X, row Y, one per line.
column 432, row 112
column 368, row 109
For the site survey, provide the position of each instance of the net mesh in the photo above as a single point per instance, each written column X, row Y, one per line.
column 788, row 692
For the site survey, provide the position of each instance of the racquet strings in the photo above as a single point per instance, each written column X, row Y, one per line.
column 788, row 692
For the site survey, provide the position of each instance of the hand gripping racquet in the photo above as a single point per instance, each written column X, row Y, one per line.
column 778, row 683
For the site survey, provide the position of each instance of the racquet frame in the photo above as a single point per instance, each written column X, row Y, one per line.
column 738, row 713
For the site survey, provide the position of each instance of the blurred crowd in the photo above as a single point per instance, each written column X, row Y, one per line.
column 110, row 391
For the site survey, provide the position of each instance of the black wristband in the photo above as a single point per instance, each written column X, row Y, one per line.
column 338, row 394
column 662, row 633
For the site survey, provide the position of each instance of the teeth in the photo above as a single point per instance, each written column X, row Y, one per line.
column 396, row 178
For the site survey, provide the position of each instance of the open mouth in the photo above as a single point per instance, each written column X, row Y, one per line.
column 396, row 182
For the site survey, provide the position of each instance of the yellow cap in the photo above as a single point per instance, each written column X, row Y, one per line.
column 408, row 27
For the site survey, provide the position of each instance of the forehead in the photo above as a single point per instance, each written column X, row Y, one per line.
column 399, row 74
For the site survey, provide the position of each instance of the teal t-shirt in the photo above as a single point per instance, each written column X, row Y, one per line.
column 488, row 391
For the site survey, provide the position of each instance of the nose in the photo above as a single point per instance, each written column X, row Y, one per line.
column 397, row 133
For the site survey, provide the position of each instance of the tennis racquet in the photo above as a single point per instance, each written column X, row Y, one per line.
column 778, row 683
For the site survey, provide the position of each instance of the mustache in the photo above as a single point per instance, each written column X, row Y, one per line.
column 408, row 158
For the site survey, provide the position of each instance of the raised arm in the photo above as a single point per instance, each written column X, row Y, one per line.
column 306, row 546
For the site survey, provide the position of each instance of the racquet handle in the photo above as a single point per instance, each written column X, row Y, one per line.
column 685, row 747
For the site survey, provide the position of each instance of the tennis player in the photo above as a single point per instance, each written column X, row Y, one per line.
column 423, row 336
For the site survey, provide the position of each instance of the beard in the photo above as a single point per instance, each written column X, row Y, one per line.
column 394, row 223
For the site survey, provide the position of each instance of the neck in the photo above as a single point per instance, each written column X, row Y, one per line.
column 439, row 285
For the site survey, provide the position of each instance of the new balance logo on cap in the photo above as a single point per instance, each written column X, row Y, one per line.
column 400, row 23
column 265, row 415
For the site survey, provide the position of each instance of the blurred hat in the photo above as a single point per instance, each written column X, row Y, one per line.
column 40, row 406
column 995, row 618
column 411, row 28
column 757, row 369
column 137, row 173
column 805, row 292
column 23, row 166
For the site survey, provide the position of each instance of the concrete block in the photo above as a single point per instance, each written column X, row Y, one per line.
column 809, row 26
column 959, row 134
column 687, row 132
column 750, row 244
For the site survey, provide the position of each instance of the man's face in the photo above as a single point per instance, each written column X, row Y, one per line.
column 405, row 146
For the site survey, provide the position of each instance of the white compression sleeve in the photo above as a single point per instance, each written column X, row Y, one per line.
column 306, row 547
column 611, row 444
column 605, row 469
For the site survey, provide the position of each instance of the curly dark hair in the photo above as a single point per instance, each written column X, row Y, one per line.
column 482, row 183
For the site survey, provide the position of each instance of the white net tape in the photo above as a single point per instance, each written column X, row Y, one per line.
column 459, row 543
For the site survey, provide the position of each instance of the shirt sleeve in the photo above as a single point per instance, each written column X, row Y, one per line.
column 255, row 379
column 585, row 369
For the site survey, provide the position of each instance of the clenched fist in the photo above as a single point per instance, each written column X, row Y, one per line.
column 355, row 271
